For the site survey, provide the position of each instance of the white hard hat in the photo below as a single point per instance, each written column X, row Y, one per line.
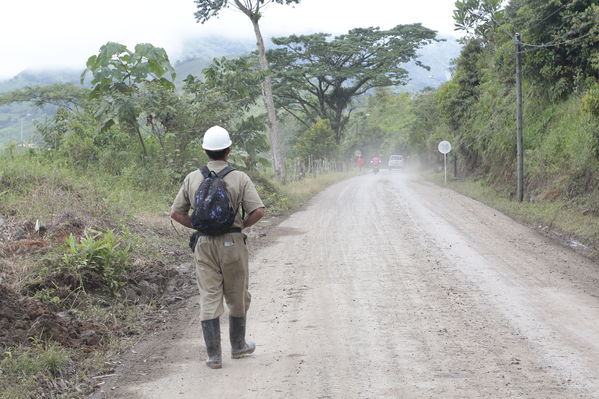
column 216, row 138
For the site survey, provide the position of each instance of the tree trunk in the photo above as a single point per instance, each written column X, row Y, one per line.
column 273, row 126
column 336, row 125
column 455, row 164
column 141, row 140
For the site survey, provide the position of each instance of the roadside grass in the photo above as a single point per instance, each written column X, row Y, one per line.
column 49, row 370
column 36, row 188
column 297, row 193
column 14, row 274
column 29, row 372
column 574, row 223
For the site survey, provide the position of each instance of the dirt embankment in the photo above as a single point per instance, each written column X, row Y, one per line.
column 28, row 273
column 23, row 318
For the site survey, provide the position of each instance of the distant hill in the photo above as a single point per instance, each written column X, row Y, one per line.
column 15, row 116
column 40, row 78
column 199, row 53
column 438, row 57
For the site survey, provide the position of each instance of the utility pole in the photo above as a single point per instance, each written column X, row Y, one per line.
column 22, row 132
column 519, row 140
column 23, row 118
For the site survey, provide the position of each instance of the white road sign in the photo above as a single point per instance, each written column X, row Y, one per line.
column 444, row 147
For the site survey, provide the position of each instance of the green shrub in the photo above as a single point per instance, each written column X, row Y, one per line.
column 274, row 200
column 317, row 142
column 104, row 255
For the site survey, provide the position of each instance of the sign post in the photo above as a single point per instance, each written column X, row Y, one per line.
column 444, row 148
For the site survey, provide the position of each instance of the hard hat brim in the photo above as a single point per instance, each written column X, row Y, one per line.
column 217, row 148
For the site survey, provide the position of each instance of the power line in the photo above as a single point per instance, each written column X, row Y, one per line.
column 548, row 16
column 549, row 44
column 519, row 135
column 545, row 45
column 533, row 25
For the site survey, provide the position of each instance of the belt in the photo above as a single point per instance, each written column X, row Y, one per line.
column 231, row 230
column 193, row 239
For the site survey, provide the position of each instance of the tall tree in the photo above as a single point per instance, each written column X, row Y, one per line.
column 318, row 142
column 207, row 9
column 477, row 17
column 317, row 77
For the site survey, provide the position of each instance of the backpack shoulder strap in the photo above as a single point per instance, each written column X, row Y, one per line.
column 205, row 171
column 226, row 170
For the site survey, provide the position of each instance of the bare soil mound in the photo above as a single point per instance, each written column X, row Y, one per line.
column 23, row 318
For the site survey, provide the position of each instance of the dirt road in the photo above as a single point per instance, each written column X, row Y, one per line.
column 388, row 287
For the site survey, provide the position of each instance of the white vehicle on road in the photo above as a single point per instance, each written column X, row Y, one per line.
column 395, row 162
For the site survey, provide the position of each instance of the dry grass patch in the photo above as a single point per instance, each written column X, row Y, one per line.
column 300, row 191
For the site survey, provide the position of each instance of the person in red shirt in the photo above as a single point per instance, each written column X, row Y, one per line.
column 360, row 163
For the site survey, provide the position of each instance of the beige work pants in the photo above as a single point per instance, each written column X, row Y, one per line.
column 222, row 270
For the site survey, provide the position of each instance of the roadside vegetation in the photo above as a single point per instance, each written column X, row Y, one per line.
column 81, row 269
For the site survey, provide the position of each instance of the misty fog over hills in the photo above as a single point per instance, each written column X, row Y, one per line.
column 197, row 55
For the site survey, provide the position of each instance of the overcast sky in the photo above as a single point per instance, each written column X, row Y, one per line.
column 38, row 34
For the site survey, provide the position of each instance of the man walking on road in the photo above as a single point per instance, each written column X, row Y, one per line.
column 221, row 259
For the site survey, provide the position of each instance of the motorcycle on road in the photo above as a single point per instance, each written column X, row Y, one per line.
column 376, row 164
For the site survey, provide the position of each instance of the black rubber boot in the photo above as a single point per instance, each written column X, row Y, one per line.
column 239, row 347
column 211, row 330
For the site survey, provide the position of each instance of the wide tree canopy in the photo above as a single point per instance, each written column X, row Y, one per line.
column 316, row 76
column 59, row 94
